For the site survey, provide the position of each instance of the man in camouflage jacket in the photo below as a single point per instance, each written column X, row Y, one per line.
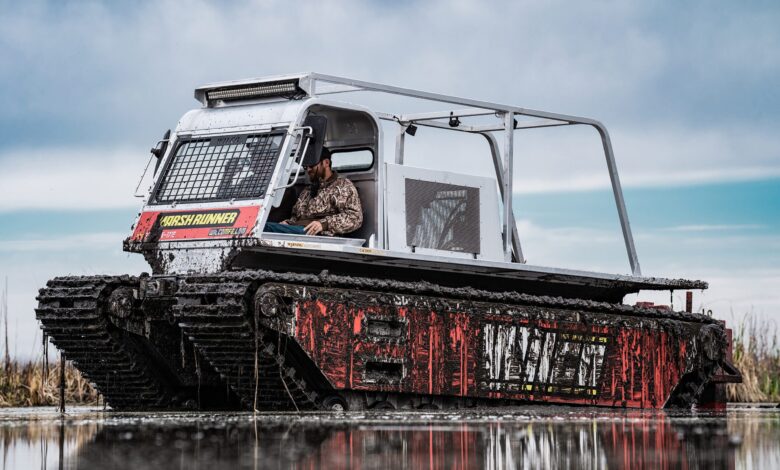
column 330, row 206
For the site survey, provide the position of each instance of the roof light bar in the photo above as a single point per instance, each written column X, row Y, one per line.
column 288, row 89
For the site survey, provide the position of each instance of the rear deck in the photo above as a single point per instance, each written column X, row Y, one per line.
column 298, row 253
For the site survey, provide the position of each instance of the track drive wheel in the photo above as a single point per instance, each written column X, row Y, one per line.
column 334, row 403
column 383, row 406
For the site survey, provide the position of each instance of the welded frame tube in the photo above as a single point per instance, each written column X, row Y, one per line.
column 509, row 141
column 617, row 191
column 499, row 169
column 399, row 144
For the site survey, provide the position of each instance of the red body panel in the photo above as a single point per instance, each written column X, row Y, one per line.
column 494, row 354
column 206, row 224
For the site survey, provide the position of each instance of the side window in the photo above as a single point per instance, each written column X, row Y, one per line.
column 353, row 160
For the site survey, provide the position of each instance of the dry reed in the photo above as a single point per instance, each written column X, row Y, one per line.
column 38, row 383
column 28, row 384
column 757, row 356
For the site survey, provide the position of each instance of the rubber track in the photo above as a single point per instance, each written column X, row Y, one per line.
column 325, row 279
column 72, row 312
column 213, row 312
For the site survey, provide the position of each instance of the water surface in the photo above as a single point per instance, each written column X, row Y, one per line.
column 522, row 437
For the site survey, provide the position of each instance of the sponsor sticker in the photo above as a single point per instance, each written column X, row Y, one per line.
column 227, row 140
column 220, row 232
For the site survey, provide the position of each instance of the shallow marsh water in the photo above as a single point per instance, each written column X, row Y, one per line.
column 527, row 437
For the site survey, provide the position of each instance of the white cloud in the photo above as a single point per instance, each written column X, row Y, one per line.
column 124, row 74
column 95, row 241
column 712, row 228
column 557, row 160
column 67, row 178
column 118, row 68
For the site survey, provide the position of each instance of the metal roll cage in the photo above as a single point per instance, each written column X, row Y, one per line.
column 315, row 84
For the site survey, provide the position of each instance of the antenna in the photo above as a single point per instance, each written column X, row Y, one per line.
column 5, row 320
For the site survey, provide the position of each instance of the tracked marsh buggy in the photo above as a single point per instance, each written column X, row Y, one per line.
column 430, row 304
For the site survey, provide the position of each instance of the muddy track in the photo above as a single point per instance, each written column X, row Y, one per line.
column 214, row 313
column 73, row 312
column 325, row 279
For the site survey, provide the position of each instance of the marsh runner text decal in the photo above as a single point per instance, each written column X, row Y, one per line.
column 216, row 218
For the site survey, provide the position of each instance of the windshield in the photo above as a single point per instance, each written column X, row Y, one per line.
column 219, row 168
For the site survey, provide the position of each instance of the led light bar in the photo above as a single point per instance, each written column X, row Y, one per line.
column 288, row 89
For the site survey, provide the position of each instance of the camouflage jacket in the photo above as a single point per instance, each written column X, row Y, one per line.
column 336, row 206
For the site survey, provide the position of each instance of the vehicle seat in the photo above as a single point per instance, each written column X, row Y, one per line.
column 366, row 190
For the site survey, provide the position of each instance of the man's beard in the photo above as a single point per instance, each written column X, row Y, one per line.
column 314, row 188
column 315, row 183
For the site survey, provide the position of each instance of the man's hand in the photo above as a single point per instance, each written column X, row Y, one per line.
column 313, row 228
column 284, row 222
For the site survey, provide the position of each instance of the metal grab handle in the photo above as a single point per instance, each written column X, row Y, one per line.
column 158, row 147
column 730, row 374
column 143, row 176
column 307, row 137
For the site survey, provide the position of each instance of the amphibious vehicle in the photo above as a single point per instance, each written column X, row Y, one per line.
column 430, row 304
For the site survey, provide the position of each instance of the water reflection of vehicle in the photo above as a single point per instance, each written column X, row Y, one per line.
column 624, row 443
column 381, row 441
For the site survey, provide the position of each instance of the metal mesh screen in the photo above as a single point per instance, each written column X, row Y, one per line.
column 222, row 167
column 442, row 216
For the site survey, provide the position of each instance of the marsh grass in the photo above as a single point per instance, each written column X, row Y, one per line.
column 37, row 383
column 28, row 384
column 757, row 356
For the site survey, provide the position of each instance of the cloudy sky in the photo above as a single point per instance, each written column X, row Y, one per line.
column 689, row 93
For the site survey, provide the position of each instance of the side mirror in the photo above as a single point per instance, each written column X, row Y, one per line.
column 319, row 125
column 159, row 150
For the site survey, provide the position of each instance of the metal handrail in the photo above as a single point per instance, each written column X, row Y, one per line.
column 307, row 138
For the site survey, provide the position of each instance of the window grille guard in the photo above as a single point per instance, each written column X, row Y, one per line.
column 220, row 168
